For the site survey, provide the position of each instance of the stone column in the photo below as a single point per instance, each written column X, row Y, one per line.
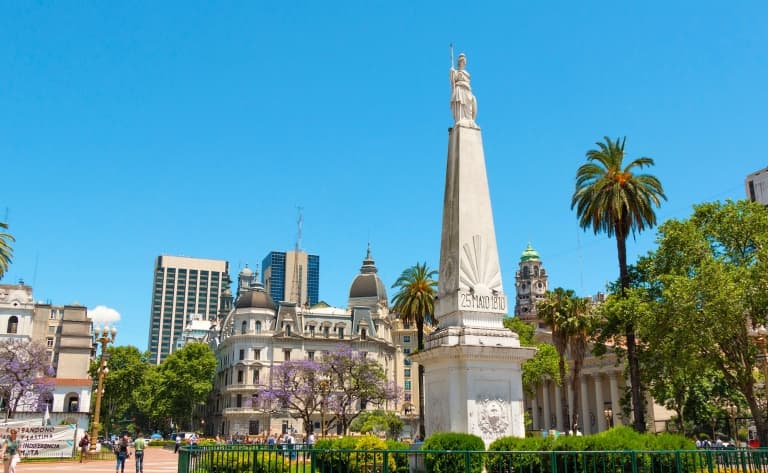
column 618, row 419
column 546, row 424
column 599, row 404
column 571, row 407
column 558, row 408
column 584, row 421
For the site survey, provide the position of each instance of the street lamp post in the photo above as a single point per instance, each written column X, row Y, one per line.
column 105, row 336
column 760, row 335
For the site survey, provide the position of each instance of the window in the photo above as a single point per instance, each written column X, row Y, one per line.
column 49, row 342
column 13, row 324
column 239, row 376
column 258, row 326
column 407, row 362
column 51, row 329
column 255, row 376
column 407, row 351
column 239, row 400
column 326, row 331
column 363, row 334
column 256, row 354
column 407, row 372
column 407, row 386
column 407, row 397
column 311, row 330
column 244, row 327
column 253, row 427
column 406, row 339
column 287, row 330
column 310, row 355
column 242, row 354
column 341, row 333
column 287, row 354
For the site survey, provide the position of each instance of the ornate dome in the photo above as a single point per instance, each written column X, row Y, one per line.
column 246, row 272
column 255, row 298
column 368, row 283
column 529, row 254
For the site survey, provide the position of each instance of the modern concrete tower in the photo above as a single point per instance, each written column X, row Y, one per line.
column 472, row 363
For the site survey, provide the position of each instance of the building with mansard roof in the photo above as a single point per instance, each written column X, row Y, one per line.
column 256, row 333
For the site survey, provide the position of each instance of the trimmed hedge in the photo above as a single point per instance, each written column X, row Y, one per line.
column 448, row 462
column 359, row 455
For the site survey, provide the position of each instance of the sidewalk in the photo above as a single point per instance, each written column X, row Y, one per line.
column 156, row 460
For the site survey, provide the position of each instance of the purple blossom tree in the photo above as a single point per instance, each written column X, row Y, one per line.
column 25, row 369
column 356, row 381
column 296, row 387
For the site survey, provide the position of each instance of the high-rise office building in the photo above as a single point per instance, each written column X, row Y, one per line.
column 183, row 287
column 757, row 186
column 292, row 276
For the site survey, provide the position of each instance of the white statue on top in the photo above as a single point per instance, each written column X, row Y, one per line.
column 463, row 103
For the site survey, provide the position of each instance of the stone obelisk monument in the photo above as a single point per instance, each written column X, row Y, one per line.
column 472, row 363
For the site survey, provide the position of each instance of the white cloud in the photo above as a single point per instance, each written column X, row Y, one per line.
column 102, row 315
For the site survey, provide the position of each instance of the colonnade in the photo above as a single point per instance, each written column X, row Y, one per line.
column 599, row 398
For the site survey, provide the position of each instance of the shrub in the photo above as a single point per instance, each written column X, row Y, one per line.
column 449, row 462
column 530, row 458
column 243, row 461
column 401, row 459
column 334, row 454
column 370, row 457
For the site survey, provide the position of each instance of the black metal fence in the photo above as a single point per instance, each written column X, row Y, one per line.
column 301, row 459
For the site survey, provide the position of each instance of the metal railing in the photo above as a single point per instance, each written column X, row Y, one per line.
column 301, row 459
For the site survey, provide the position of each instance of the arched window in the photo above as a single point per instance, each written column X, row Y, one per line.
column 72, row 403
column 526, row 272
column 13, row 324
column 244, row 327
column 288, row 330
column 258, row 326
column 536, row 271
column 363, row 334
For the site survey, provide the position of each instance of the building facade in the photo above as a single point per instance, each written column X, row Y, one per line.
column 183, row 287
column 258, row 334
column 67, row 334
column 292, row 276
column 531, row 285
column 756, row 186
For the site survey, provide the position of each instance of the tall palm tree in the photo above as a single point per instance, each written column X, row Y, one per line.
column 611, row 199
column 554, row 311
column 6, row 252
column 415, row 303
column 579, row 328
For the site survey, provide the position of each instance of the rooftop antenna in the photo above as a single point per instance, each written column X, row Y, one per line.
column 297, row 268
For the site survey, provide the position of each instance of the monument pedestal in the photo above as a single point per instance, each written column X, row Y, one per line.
column 473, row 382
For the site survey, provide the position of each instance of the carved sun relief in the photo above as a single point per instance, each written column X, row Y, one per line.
column 478, row 272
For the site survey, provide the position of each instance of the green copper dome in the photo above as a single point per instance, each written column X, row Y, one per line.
column 529, row 254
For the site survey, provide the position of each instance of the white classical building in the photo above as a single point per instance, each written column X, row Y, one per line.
column 257, row 334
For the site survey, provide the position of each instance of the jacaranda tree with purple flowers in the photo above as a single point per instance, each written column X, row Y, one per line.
column 357, row 381
column 296, row 387
column 25, row 369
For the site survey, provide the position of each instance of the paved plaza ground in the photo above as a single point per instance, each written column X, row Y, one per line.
column 156, row 460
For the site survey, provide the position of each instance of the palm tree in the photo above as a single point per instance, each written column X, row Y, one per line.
column 611, row 199
column 554, row 311
column 6, row 252
column 579, row 328
column 415, row 302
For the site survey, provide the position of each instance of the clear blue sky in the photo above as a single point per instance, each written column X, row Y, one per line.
column 134, row 129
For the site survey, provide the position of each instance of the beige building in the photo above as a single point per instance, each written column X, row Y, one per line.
column 67, row 333
column 257, row 335
column 756, row 186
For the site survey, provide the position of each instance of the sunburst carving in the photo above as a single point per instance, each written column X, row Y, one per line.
column 477, row 270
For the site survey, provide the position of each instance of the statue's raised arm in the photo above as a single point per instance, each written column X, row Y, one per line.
column 463, row 103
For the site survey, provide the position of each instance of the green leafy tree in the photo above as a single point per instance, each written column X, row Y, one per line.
column 150, row 400
column 543, row 365
column 127, row 366
column 610, row 198
column 378, row 422
column 710, row 274
column 6, row 251
column 415, row 303
column 187, row 377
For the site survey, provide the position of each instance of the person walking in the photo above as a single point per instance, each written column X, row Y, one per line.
column 11, row 452
column 138, row 450
column 84, row 442
column 177, row 444
column 121, row 451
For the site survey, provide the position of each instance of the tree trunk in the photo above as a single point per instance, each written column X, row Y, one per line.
column 564, row 394
column 757, row 416
column 420, row 345
column 638, row 403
